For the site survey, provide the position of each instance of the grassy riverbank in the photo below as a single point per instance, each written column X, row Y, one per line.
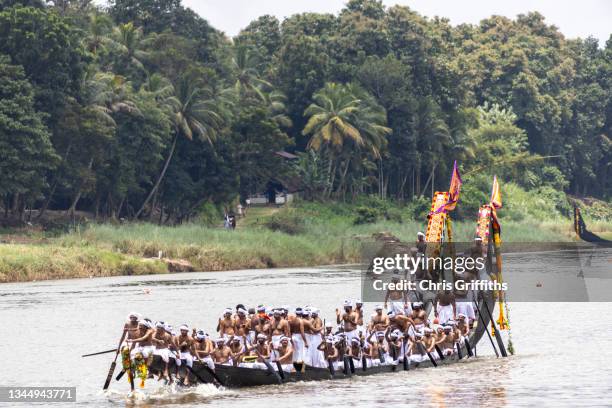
column 268, row 237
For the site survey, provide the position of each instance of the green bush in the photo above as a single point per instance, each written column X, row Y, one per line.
column 394, row 215
column 289, row 222
column 419, row 208
column 366, row 215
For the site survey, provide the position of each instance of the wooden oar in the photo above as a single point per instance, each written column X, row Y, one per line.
column 405, row 359
column 177, row 356
column 486, row 329
column 269, row 367
column 500, row 341
column 422, row 349
column 439, row 351
column 99, row 352
column 111, row 370
column 459, row 353
column 468, row 347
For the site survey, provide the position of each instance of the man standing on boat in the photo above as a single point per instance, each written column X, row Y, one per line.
column 379, row 321
column 349, row 320
column 226, row 324
column 277, row 328
column 446, row 308
column 395, row 299
column 298, row 337
column 242, row 324
column 418, row 316
column 421, row 245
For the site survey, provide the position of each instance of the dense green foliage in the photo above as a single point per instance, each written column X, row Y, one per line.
column 142, row 110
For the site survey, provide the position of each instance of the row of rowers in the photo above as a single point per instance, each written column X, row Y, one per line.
column 251, row 338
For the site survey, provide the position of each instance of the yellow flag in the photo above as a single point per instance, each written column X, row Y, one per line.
column 496, row 199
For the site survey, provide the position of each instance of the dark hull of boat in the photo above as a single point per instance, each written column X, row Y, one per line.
column 238, row 377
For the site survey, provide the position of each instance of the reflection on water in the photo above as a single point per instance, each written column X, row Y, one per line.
column 561, row 358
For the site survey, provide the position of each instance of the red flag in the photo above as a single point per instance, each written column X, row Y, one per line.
column 453, row 191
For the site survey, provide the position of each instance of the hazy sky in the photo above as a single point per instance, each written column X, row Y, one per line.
column 575, row 18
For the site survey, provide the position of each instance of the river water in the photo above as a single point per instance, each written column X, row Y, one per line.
column 563, row 349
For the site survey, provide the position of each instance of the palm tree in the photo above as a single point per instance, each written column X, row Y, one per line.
column 196, row 110
column 277, row 109
column 131, row 44
column 247, row 65
column 100, row 25
column 332, row 118
column 345, row 121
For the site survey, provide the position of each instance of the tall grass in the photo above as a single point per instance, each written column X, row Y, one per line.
column 327, row 234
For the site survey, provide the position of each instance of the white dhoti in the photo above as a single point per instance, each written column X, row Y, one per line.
column 466, row 308
column 412, row 330
column 408, row 309
column 298, row 347
column 209, row 362
column 164, row 353
column 350, row 335
column 417, row 358
column 146, row 351
column 276, row 340
column 396, row 306
column 252, row 336
column 317, row 358
column 445, row 313
column 187, row 357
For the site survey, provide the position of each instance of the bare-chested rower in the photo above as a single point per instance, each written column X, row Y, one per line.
column 418, row 315
column 143, row 340
column 203, row 348
column 184, row 343
column 395, row 299
column 379, row 321
column 330, row 352
column 378, row 348
column 222, row 353
column 261, row 348
column 226, row 325
column 284, row 352
column 162, row 341
column 446, row 341
column 348, row 319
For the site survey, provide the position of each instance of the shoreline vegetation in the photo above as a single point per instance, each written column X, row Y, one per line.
column 117, row 118
column 303, row 234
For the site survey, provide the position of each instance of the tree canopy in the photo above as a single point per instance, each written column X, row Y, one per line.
column 142, row 110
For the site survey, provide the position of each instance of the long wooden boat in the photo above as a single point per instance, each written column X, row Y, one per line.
column 237, row 377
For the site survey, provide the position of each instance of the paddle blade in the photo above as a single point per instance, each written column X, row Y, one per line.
column 109, row 377
column 468, row 347
column 118, row 377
